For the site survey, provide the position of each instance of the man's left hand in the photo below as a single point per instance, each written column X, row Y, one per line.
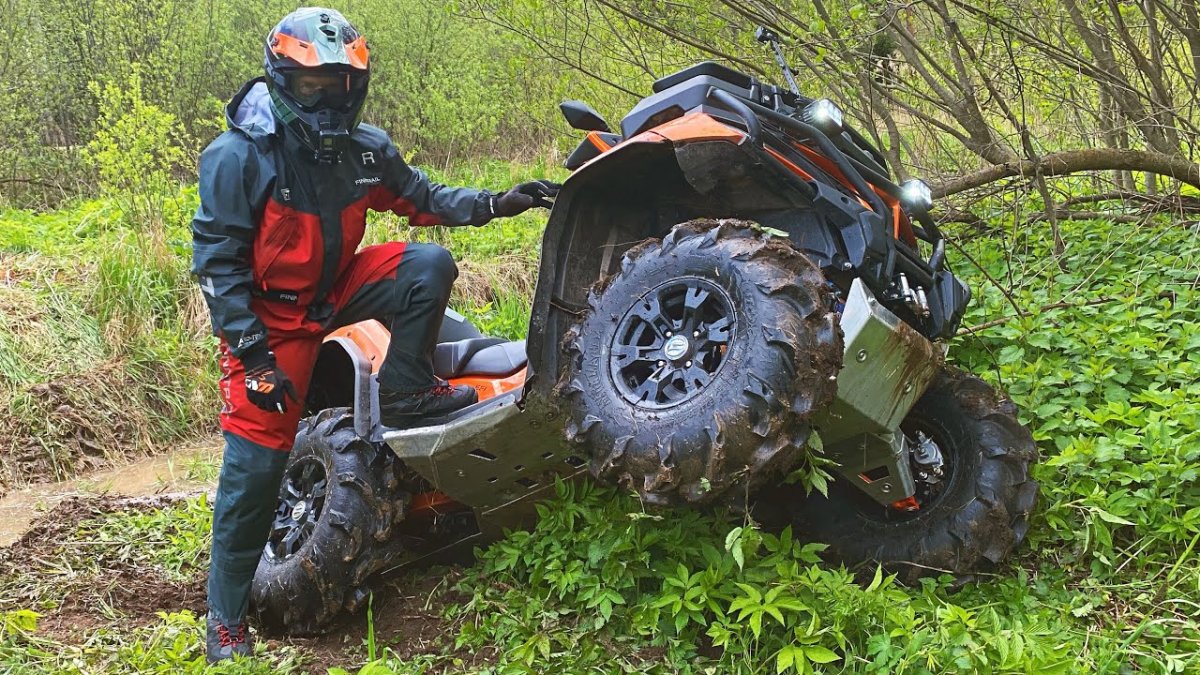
column 524, row 197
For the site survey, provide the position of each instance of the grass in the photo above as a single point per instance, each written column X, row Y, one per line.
column 105, row 350
column 1103, row 361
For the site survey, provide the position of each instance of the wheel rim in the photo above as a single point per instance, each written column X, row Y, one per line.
column 928, row 493
column 301, row 502
column 672, row 343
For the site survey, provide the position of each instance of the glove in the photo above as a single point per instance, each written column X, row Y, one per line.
column 524, row 197
column 267, row 386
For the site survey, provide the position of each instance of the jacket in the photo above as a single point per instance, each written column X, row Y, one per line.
column 275, row 229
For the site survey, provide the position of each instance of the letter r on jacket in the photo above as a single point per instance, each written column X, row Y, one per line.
column 368, row 158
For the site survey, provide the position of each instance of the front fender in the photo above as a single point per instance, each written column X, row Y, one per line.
column 689, row 168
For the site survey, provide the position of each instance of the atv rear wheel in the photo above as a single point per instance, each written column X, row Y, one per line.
column 700, row 363
column 339, row 499
column 973, row 516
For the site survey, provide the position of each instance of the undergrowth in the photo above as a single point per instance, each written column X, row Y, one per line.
column 105, row 348
column 1099, row 350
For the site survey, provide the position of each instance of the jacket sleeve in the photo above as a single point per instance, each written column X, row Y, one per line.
column 222, row 239
column 406, row 191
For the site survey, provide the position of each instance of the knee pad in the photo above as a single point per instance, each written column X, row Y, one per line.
column 436, row 272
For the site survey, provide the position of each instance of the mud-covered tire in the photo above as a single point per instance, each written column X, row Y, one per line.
column 301, row 593
column 747, row 423
column 976, row 521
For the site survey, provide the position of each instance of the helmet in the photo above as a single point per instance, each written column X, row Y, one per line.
column 318, row 66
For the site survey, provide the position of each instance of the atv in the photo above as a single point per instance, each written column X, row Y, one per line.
column 732, row 277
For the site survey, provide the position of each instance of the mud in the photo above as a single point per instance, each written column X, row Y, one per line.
column 177, row 471
column 96, row 591
column 40, row 566
column 408, row 619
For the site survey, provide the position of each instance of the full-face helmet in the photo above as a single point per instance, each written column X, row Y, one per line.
column 318, row 67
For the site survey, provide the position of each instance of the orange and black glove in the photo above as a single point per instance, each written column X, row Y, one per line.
column 267, row 386
column 524, row 197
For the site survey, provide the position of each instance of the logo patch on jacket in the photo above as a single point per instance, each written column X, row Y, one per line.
column 250, row 340
column 368, row 181
column 289, row 297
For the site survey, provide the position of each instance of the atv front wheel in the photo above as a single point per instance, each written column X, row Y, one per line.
column 700, row 363
column 338, row 501
column 970, row 516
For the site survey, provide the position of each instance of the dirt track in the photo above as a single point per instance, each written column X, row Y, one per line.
column 108, row 592
column 164, row 473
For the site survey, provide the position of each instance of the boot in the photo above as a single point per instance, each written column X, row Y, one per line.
column 402, row 410
column 225, row 642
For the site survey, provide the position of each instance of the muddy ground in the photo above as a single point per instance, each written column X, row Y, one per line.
column 78, row 587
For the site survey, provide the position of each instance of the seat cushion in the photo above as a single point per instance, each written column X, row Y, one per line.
column 478, row 357
column 450, row 357
column 498, row 360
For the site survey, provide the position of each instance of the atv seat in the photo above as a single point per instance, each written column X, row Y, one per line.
column 478, row 357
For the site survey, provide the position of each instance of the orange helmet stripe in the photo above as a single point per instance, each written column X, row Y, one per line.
column 358, row 53
column 301, row 52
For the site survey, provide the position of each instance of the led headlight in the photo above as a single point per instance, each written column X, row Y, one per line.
column 824, row 115
column 915, row 195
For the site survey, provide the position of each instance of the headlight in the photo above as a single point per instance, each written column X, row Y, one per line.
column 915, row 195
column 824, row 115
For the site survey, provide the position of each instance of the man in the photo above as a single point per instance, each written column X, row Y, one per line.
column 283, row 200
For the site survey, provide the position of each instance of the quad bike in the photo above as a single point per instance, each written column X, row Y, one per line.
column 732, row 274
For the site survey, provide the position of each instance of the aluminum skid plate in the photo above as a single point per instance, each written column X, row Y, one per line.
column 887, row 366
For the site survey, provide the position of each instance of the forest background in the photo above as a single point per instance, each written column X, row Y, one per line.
column 1060, row 135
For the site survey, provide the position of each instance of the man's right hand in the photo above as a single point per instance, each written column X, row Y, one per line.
column 523, row 197
column 267, row 386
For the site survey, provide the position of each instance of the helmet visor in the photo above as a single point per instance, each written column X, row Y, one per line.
column 315, row 90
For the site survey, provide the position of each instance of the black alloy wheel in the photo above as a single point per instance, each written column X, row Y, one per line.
column 301, row 501
column 339, row 502
column 671, row 344
column 698, row 366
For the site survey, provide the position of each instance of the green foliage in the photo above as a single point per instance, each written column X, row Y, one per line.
column 136, row 146
column 173, row 541
column 175, row 644
column 507, row 316
column 600, row 584
column 1110, row 389
column 103, row 336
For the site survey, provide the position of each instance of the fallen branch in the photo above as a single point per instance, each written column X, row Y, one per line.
column 1151, row 203
column 952, row 214
column 1076, row 161
column 1090, row 215
column 1055, row 305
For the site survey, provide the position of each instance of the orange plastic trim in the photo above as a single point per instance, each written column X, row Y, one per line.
column 901, row 226
column 429, row 504
column 791, row 167
column 488, row 387
column 697, row 126
column 907, row 504
column 358, row 53
column 596, row 140
column 370, row 336
column 296, row 49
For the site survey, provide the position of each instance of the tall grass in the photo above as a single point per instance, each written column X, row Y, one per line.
column 105, row 347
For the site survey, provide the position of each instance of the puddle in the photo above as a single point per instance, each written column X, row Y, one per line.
column 178, row 470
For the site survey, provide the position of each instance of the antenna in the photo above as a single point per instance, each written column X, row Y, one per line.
column 764, row 34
